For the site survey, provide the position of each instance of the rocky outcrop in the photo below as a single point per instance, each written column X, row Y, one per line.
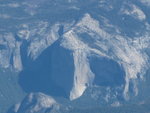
column 37, row 103
column 103, row 36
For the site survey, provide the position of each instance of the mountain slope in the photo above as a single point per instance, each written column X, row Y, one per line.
column 93, row 53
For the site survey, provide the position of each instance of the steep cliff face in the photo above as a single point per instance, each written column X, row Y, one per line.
column 73, row 48
column 102, row 44
column 86, row 38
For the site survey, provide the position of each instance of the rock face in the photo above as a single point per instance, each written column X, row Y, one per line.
column 116, row 32
column 37, row 103
column 11, row 51
column 128, row 53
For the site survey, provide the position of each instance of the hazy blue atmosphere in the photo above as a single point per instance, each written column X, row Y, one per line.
column 74, row 56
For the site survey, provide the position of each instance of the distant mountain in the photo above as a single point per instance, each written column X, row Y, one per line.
column 84, row 54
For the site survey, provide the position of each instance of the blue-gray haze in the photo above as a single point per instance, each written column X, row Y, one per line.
column 74, row 56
